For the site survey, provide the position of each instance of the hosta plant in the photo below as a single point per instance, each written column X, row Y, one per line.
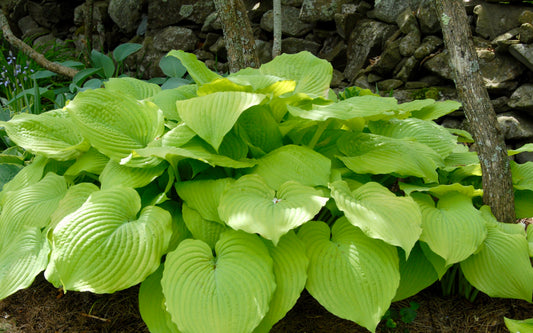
column 227, row 197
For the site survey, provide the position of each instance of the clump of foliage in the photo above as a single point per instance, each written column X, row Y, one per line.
column 394, row 318
column 227, row 197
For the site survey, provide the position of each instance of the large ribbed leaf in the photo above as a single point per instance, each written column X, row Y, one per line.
column 416, row 273
column 296, row 163
column 200, row 228
column 152, row 305
column 251, row 205
column 117, row 124
column 178, row 136
column 436, row 110
column 519, row 326
column 29, row 175
column 312, row 75
column 290, row 269
column 212, row 116
column 501, row 268
column 196, row 69
column 353, row 276
column 204, row 196
column 115, row 174
column 222, row 84
column 522, row 175
column 51, row 134
column 166, row 100
column 379, row 213
column 267, row 136
column 30, row 206
column 22, row 257
column 454, row 229
column 376, row 154
column 367, row 107
column 134, row 87
column 107, row 244
column 92, row 161
column 523, row 201
column 225, row 292
column 427, row 132
column 75, row 197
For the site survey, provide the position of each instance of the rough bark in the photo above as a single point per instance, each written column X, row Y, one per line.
column 38, row 57
column 497, row 183
column 240, row 42
column 276, row 45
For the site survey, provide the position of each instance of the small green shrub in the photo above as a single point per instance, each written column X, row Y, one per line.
column 227, row 197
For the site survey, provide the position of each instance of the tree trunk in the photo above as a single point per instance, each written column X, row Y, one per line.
column 276, row 45
column 497, row 183
column 240, row 42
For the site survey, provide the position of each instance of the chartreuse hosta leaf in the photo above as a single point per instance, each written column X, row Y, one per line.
column 117, row 124
column 523, row 204
column 416, row 273
column 107, row 244
column 23, row 256
column 51, row 134
column 196, row 69
column 519, row 326
column 152, row 305
column 204, row 195
column 270, row 85
column 75, row 196
column 30, row 206
column 522, row 175
column 529, row 237
column 134, row 87
column 253, row 206
column 166, row 99
column 212, row 116
column 312, row 75
column 427, row 132
column 225, row 291
column 377, row 154
column 353, row 276
column 115, row 174
column 29, row 175
column 436, row 110
column 379, row 213
column 266, row 137
column 222, row 84
column 290, row 270
column 367, row 107
column 24, row 222
column 501, row 267
column 200, row 228
column 454, row 229
column 92, row 161
column 296, row 163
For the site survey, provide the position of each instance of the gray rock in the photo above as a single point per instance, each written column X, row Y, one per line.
column 372, row 78
column 406, row 21
column 197, row 10
column 427, row 17
column 410, row 43
column 294, row 45
column 366, row 40
column 494, row 20
column 46, row 14
column 515, row 126
column 522, row 98
column 320, row 10
column 389, row 58
column 526, row 17
column 175, row 38
column 291, row 24
column 407, row 69
column 524, row 54
column 293, row 3
column 500, row 104
column 27, row 24
column 264, row 50
column 99, row 12
column 386, row 86
column 126, row 14
column 498, row 71
column 334, row 51
column 388, row 10
column 452, row 122
column 165, row 13
column 212, row 23
column 219, row 49
column 429, row 45
column 148, row 58
column 336, row 78
column 416, row 85
column 526, row 33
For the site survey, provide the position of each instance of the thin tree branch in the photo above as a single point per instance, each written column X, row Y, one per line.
column 38, row 57
column 276, row 47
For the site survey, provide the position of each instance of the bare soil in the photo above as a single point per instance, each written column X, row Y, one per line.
column 43, row 308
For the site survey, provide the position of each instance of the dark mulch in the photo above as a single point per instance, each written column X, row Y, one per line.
column 43, row 308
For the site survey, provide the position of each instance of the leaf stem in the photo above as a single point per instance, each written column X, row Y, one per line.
column 319, row 131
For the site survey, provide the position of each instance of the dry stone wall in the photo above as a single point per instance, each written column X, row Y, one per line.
column 389, row 46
